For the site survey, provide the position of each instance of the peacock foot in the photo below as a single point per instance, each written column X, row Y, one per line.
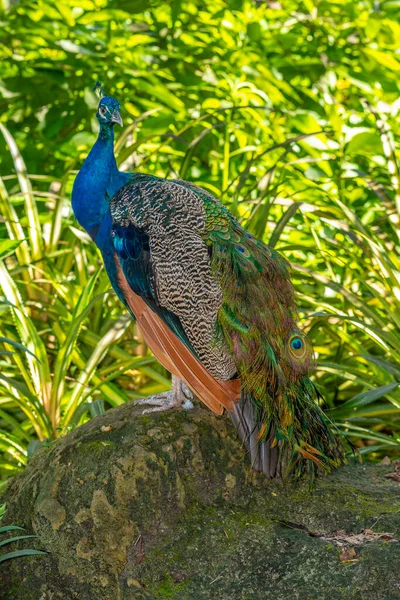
column 179, row 397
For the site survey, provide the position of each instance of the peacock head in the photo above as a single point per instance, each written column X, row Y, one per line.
column 108, row 112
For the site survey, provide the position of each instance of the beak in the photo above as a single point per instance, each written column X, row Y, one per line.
column 116, row 117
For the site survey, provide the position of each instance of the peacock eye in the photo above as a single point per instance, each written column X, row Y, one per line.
column 297, row 346
column 102, row 110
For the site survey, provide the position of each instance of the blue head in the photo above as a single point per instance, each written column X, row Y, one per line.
column 108, row 112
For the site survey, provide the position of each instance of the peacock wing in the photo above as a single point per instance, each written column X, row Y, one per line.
column 163, row 260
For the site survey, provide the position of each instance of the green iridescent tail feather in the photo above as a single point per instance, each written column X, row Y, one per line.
column 257, row 322
column 311, row 448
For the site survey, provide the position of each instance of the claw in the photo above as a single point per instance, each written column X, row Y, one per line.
column 179, row 397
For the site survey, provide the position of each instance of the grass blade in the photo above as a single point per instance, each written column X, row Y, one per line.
column 34, row 229
column 19, row 553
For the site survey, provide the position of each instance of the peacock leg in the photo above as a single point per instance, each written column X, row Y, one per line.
column 179, row 396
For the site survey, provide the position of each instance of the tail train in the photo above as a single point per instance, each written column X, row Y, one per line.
column 264, row 458
column 315, row 446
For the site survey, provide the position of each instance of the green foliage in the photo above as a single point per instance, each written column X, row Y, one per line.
column 10, row 540
column 57, row 307
column 288, row 113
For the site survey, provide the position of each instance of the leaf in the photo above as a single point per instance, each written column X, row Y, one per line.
column 96, row 408
column 395, row 476
column 37, row 358
column 19, row 553
column 31, row 406
column 16, row 539
column 17, row 345
column 348, row 555
column 7, row 528
column 69, row 46
column 383, row 58
column 35, row 445
column 7, row 247
column 254, row 31
column 64, row 356
column 34, row 231
column 161, row 93
column 98, row 354
column 369, row 396
column 13, row 225
column 366, row 143
column 279, row 227
column 390, row 367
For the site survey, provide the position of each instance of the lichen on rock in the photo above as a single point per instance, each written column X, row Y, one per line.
column 146, row 507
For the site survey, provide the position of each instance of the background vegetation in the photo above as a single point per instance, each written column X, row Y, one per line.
column 288, row 112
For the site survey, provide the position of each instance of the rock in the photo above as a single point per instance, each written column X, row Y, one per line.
column 165, row 506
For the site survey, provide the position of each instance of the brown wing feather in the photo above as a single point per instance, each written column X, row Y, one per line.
column 176, row 357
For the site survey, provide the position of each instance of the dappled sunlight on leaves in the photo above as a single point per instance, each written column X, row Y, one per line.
column 288, row 113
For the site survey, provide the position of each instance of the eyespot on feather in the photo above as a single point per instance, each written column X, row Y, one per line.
column 243, row 251
column 297, row 347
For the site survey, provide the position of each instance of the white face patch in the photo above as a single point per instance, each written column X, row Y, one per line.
column 103, row 110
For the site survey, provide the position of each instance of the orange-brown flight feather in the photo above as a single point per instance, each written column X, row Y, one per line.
column 176, row 357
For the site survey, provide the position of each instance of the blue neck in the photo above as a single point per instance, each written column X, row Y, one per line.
column 97, row 182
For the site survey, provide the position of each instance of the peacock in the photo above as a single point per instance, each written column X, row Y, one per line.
column 215, row 304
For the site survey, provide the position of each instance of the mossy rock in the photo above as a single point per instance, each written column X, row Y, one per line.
column 147, row 507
